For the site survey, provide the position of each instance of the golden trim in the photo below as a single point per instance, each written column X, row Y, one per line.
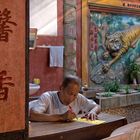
column 84, row 42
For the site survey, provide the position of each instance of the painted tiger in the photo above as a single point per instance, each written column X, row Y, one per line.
column 119, row 43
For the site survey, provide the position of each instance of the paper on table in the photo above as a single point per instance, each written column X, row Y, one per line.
column 89, row 121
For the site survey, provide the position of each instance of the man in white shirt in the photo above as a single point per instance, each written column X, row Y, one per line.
column 63, row 105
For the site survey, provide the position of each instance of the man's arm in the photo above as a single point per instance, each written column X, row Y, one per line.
column 96, row 109
column 36, row 116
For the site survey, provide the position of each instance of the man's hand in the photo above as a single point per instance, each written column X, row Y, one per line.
column 68, row 116
column 91, row 115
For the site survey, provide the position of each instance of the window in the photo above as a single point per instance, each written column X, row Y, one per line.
column 43, row 16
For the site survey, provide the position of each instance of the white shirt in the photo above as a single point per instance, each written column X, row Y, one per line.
column 49, row 103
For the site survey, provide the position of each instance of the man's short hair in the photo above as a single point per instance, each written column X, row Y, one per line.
column 68, row 79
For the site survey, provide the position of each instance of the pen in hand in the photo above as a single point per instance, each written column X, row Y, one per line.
column 70, row 109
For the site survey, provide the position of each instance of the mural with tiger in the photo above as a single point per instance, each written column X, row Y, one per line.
column 118, row 43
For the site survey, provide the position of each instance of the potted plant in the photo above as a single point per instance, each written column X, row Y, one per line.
column 127, row 89
column 110, row 88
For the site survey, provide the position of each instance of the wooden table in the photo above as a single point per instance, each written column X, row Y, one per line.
column 75, row 130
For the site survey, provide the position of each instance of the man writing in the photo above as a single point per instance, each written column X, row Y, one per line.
column 63, row 105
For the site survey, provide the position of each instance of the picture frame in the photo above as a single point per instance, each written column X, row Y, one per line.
column 94, row 33
column 32, row 38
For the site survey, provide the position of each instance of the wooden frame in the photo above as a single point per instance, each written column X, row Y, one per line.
column 98, row 6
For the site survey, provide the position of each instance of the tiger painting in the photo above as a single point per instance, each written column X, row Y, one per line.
column 119, row 43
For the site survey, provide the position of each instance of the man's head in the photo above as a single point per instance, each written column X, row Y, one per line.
column 69, row 89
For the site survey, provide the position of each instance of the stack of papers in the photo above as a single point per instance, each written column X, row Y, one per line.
column 89, row 121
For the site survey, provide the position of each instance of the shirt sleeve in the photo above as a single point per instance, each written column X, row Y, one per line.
column 85, row 103
column 41, row 104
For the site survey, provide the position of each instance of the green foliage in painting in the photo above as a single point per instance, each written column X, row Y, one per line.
column 133, row 69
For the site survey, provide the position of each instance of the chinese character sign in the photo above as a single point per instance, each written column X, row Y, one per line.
column 5, row 24
column 4, row 85
column 13, row 44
